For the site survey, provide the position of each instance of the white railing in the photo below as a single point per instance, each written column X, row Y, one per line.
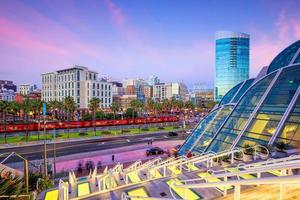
column 284, row 168
column 281, row 181
column 127, row 197
column 271, row 161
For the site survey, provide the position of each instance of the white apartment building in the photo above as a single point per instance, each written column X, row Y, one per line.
column 78, row 82
column 24, row 89
column 169, row 90
column 159, row 92
column 7, row 95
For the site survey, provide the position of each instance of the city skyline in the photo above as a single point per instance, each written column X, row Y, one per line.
column 137, row 38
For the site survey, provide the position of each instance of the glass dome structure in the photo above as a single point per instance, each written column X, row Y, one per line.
column 265, row 111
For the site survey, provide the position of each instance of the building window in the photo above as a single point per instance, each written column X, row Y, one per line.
column 101, row 86
column 78, row 75
column 78, row 92
column 93, row 85
column 98, row 86
column 93, row 92
column 78, row 100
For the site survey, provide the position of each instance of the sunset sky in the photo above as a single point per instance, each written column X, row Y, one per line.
column 135, row 38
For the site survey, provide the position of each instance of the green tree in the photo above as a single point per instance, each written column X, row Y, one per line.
column 149, row 105
column 69, row 106
column 115, row 108
column 157, row 108
column 189, row 105
column 130, row 113
column 166, row 105
column 15, row 108
column 26, row 108
column 4, row 108
column 93, row 106
column 136, row 105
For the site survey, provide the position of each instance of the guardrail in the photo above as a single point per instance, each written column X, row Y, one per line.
column 282, row 180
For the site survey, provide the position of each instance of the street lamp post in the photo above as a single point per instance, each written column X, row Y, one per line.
column 45, row 138
column 45, row 149
column 54, row 152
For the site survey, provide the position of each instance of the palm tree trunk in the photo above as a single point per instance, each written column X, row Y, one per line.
column 69, row 125
column 5, row 135
column 94, row 121
column 14, row 119
column 26, row 131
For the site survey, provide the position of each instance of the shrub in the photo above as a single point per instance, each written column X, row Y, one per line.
column 145, row 129
column 82, row 134
column 10, row 184
column 176, row 127
column 58, row 135
column 281, row 146
column 126, row 131
column 106, row 132
column 161, row 128
column 45, row 183
column 248, row 149
column 237, row 155
column 225, row 158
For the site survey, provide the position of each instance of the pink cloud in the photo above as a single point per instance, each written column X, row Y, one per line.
column 117, row 14
column 267, row 46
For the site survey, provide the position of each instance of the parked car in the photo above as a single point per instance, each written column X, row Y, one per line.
column 188, row 132
column 171, row 133
column 154, row 151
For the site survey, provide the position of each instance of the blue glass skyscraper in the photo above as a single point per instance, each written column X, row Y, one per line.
column 232, row 61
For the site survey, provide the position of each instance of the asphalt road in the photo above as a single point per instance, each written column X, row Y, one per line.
column 35, row 152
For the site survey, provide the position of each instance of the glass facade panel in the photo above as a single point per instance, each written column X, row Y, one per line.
column 265, row 123
column 290, row 133
column 230, row 94
column 197, row 132
column 211, row 129
column 284, row 58
column 232, row 62
column 245, row 87
column 203, row 134
column 297, row 60
column 239, row 116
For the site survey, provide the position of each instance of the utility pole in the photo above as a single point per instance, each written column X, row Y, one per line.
column 54, row 152
column 45, row 138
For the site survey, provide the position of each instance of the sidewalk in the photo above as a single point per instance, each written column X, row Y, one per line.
column 122, row 155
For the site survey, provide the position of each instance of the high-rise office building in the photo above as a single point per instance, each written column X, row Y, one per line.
column 232, row 61
column 152, row 80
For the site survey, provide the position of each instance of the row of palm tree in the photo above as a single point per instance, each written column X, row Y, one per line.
column 25, row 110
column 165, row 106
column 30, row 110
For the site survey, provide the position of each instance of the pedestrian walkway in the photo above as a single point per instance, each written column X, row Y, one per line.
column 122, row 155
